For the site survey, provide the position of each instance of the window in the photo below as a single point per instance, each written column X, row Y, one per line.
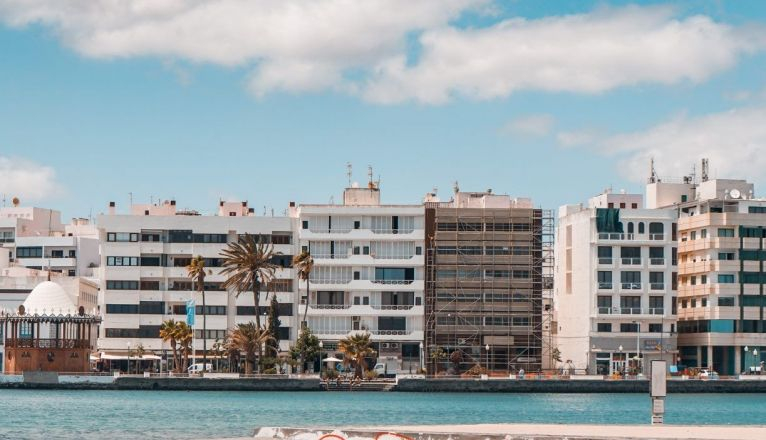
column 726, row 301
column 693, row 280
column 629, row 328
column 392, row 323
column 756, row 209
column 29, row 252
column 281, row 238
column 610, row 205
column 703, row 233
column 641, row 229
column 703, row 302
column 604, row 304
column 305, row 224
column 693, row 235
column 57, row 254
column 725, row 279
column 605, row 255
column 684, row 303
column 211, row 334
column 725, row 232
column 630, row 305
column 655, row 328
column 121, row 285
column 694, row 302
column 630, row 279
column 122, row 309
column 604, row 327
column 726, row 255
column 357, row 301
column 122, row 236
column 357, row 224
column 634, row 205
column 684, row 198
column 418, row 250
column 656, row 280
column 122, row 261
column 152, row 308
column 622, row 205
column 656, row 305
column 604, row 279
column 150, row 237
column 630, row 224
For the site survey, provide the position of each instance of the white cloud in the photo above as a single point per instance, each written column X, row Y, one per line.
column 734, row 141
column 26, row 180
column 531, row 125
column 360, row 47
column 576, row 138
column 586, row 53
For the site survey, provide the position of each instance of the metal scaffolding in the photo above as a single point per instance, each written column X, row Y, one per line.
column 489, row 288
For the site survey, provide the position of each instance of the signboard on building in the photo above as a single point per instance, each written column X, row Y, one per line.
column 190, row 310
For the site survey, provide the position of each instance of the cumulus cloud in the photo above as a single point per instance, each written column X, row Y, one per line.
column 360, row 47
column 26, row 179
column 586, row 53
column 531, row 125
column 734, row 141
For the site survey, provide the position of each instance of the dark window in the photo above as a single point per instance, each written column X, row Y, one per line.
column 122, row 261
column 284, row 333
column 281, row 239
column 392, row 323
column 209, row 238
column 628, row 328
column 122, row 309
column 655, row 328
column 121, row 285
column 604, row 327
column 150, row 285
column 641, row 227
column 121, row 236
column 180, row 236
column 418, row 250
column 152, row 308
column 357, row 224
column 122, row 333
column 305, row 224
column 29, row 252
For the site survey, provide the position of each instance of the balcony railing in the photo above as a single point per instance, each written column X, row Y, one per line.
column 615, row 236
column 631, row 261
column 331, row 281
column 392, row 281
column 390, row 332
column 392, row 231
column 330, row 256
column 331, row 231
column 656, row 236
column 630, row 310
column 330, row 306
column 604, row 285
column 657, row 286
column 631, row 286
column 604, row 260
column 604, row 310
column 391, row 307
column 657, row 311
column 392, row 257
column 657, row 261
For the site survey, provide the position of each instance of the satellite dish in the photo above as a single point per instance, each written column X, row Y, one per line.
column 734, row 193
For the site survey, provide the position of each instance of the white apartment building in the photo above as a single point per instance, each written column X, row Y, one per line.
column 35, row 238
column 615, row 301
column 144, row 279
column 368, row 273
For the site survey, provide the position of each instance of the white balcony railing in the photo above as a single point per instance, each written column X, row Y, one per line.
column 604, row 285
column 330, row 306
column 390, row 307
column 329, row 256
column 604, row 260
column 631, row 261
column 631, row 286
column 657, row 261
column 392, row 281
column 657, row 286
column 331, row 281
column 656, row 236
column 615, row 236
column 630, row 310
column 392, row 231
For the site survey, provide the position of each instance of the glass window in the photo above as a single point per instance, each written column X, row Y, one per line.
column 604, row 327
column 725, row 279
column 725, row 232
column 628, row 328
column 726, row 301
column 655, row 328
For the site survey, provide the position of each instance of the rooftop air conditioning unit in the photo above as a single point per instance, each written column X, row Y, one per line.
column 384, row 345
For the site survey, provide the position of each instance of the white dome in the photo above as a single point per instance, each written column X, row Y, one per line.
column 51, row 299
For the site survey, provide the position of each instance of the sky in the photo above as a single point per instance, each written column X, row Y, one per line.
column 268, row 100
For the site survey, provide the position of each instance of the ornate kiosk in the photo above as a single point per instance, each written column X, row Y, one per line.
column 49, row 333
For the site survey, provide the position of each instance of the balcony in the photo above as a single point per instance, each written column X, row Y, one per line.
column 393, row 282
column 657, row 261
column 331, row 231
column 630, row 261
column 330, row 306
column 656, row 310
column 615, row 236
column 392, row 231
column 392, row 307
column 630, row 286
column 656, row 286
column 604, row 310
column 329, row 256
column 630, row 310
column 331, row 281
column 606, row 261
column 656, row 237
column 604, row 285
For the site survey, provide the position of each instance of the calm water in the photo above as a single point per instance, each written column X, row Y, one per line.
column 202, row 414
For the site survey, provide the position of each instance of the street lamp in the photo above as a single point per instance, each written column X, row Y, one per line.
column 321, row 346
column 638, row 347
column 622, row 360
column 128, row 357
column 486, row 347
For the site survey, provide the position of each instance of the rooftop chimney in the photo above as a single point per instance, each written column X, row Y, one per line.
column 111, row 208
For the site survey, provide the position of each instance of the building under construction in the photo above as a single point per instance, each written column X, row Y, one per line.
column 489, row 267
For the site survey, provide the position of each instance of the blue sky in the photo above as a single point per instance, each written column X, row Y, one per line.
column 551, row 100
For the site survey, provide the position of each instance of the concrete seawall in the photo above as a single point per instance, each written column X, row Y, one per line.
column 165, row 383
column 575, row 386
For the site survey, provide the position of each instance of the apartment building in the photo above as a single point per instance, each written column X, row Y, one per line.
column 144, row 256
column 721, row 228
column 488, row 279
column 35, row 238
column 615, row 295
column 368, row 273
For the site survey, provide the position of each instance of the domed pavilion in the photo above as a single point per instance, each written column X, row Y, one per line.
column 49, row 333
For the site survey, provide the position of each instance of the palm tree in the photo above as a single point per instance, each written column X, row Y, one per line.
column 303, row 264
column 355, row 349
column 196, row 271
column 247, row 263
column 249, row 338
column 184, row 335
column 168, row 333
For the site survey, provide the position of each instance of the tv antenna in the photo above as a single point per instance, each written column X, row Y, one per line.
column 349, row 173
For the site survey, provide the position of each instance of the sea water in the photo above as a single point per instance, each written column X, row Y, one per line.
column 65, row 414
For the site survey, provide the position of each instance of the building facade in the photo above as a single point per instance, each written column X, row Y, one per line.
column 144, row 279
column 722, row 228
column 615, row 285
column 487, row 289
column 368, row 274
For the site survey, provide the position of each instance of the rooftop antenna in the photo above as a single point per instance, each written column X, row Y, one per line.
column 652, row 171
column 131, row 199
column 264, row 210
column 332, row 200
column 705, row 169
column 349, row 173
column 456, row 187
column 370, row 183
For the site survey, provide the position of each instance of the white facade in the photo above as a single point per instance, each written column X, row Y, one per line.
column 368, row 273
column 144, row 277
column 35, row 238
column 614, row 292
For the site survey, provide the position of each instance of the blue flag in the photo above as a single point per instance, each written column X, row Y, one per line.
column 190, row 309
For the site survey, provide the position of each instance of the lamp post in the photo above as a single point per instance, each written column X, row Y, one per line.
column 128, row 371
column 486, row 347
column 638, row 347
column 622, row 360
column 321, row 346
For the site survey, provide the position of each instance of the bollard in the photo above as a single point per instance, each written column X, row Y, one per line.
column 658, row 391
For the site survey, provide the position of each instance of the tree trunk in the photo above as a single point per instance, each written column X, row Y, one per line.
column 175, row 354
column 256, row 298
column 306, row 307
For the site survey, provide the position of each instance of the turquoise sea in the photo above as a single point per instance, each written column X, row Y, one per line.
column 31, row 414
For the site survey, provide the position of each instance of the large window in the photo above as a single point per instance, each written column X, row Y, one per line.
column 604, row 327
column 604, row 304
column 29, row 252
column 630, row 279
column 121, row 285
column 394, row 274
column 630, row 305
column 656, row 280
column 725, row 279
column 604, row 279
column 122, row 236
column 392, row 323
column 629, row 328
column 122, row 261
column 122, row 309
